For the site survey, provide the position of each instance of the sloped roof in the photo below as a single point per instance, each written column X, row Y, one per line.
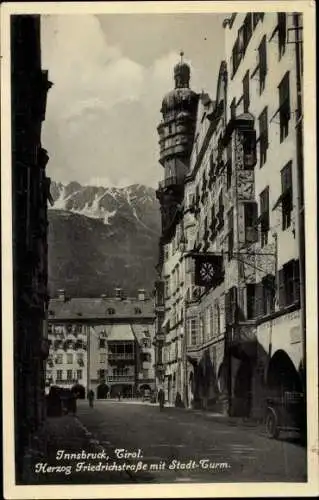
column 121, row 332
column 100, row 308
column 141, row 331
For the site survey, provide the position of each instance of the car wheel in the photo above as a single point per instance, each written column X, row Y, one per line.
column 272, row 425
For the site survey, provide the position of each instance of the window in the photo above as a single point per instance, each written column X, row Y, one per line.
column 246, row 92
column 103, row 358
column 249, row 147
column 102, row 343
column 79, row 374
column 59, row 374
column 102, row 374
column 251, row 297
column 230, row 220
column 263, row 136
column 59, row 359
column 137, row 310
column 250, row 212
column 69, row 375
column 264, row 216
column 193, row 331
column 146, row 357
column 282, row 27
column 69, row 359
column 289, row 284
column 236, row 56
column 269, row 294
column 286, row 195
column 284, row 106
column 262, row 51
column 146, row 343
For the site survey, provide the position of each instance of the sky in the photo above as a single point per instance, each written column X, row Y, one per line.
column 110, row 73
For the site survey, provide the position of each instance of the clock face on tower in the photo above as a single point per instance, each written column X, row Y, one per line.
column 207, row 272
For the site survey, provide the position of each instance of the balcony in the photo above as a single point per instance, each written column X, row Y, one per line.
column 119, row 356
column 120, row 378
column 168, row 182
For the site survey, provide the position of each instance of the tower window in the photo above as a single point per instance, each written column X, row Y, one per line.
column 102, row 343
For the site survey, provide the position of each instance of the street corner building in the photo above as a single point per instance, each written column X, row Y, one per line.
column 30, row 195
column 104, row 344
column 230, row 293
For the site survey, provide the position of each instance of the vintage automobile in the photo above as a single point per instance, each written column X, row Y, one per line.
column 285, row 413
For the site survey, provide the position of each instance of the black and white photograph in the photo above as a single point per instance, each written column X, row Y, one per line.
column 159, row 255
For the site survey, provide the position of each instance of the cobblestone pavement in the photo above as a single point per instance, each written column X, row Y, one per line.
column 174, row 437
column 182, row 435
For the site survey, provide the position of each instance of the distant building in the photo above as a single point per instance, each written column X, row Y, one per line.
column 30, row 194
column 104, row 344
column 230, row 330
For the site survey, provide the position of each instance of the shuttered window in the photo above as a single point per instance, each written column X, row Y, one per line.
column 246, row 98
column 263, row 136
column 289, row 284
column 286, row 190
column 284, row 106
column 262, row 64
column 282, row 29
column 269, row 294
column 251, row 290
column 264, row 215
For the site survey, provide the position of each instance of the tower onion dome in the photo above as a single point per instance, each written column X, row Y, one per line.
column 182, row 96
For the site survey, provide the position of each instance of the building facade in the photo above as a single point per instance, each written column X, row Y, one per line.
column 233, row 265
column 30, row 195
column 104, row 344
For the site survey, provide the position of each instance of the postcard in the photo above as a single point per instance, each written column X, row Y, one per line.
column 159, row 254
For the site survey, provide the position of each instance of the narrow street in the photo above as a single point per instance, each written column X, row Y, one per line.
column 246, row 454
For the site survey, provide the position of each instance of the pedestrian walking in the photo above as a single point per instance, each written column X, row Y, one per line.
column 161, row 399
column 91, row 398
column 119, row 396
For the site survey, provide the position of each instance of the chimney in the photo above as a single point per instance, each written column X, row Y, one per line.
column 118, row 293
column 141, row 294
column 61, row 295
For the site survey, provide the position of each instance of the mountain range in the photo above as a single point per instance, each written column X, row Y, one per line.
column 101, row 238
